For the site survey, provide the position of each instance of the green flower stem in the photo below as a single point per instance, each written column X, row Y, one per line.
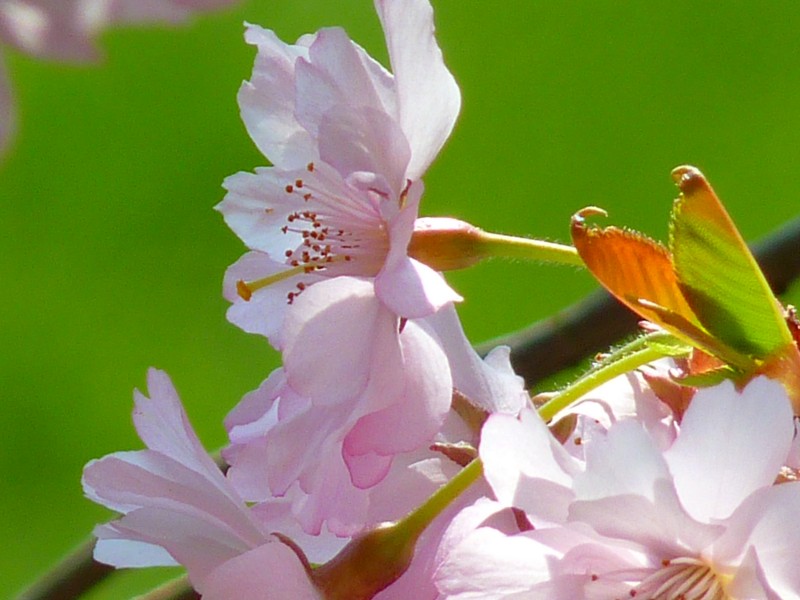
column 417, row 521
column 631, row 356
column 372, row 561
column 508, row 246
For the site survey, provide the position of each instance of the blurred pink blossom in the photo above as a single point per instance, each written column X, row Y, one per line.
column 65, row 30
column 178, row 508
column 700, row 519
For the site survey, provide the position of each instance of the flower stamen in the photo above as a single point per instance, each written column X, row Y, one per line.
column 683, row 578
column 245, row 289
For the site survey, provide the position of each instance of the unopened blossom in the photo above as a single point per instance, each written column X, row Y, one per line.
column 64, row 30
column 699, row 520
column 178, row 508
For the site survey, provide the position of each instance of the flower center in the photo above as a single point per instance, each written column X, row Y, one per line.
column 683, row 578
column 332, row 227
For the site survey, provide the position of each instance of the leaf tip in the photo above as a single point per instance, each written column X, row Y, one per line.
column 688, row 178
column 579, row 218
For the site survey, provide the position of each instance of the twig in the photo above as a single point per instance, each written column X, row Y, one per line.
column 593, row 324
column 70, row 578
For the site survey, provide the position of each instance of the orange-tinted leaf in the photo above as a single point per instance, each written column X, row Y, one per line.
column 633, row 268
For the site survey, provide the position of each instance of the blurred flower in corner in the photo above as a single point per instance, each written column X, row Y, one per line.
column 64, row 30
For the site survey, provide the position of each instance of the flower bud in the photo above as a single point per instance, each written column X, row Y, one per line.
column 446, row 244
column 367, row 565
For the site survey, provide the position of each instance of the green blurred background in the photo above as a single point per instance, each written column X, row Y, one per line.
column 111, row 256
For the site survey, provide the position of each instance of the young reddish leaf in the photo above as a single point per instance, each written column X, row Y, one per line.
column 632, row 267
column 639, row 272
column 718, row 275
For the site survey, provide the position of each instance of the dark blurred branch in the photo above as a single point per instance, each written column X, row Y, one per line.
column 593, row 324
column 70, row 578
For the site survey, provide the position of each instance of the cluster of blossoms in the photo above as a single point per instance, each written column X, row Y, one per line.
column 64, row 30
column 381, row 403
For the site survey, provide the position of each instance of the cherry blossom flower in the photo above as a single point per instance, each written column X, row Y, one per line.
column 178, row 508
column 372, row 347
column 700, row 519
column 338, row 456
column 349, row 142
column 65, row 30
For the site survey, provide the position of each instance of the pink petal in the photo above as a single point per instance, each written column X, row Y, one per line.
column 195, row 542
column 294, row 444
column 331, row 498
column 730, row 444
column 267, row 102
column 336, row 74
column 367, row 469
column 413, row 290
column 269, row 572
column 335, row 337
column 257, row 206
column 659, row 525
column 48, row 29
column 766, row 521
column 418, row 581
column 116, row 548
column 163, row 426
column 490, row 384
column 363, row 139
column 265, row 311
column 408, row 287
column 489, row 565
column 626, row 461
column 429, row 98
column 418, row 413
column 254, row 406
column 414, row 476
column 525, row 466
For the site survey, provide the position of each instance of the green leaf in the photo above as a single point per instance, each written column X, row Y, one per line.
column 718, row 275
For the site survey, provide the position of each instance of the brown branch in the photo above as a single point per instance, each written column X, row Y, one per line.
column 75, row 574
column 595, row 323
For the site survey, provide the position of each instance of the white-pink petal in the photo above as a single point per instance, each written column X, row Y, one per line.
column 490, row 565
column 413, row 419
column 525, row 466
column 267, row 101
column 428, row 96
column 490, row 384
column 626, row 461
column 730, row 444
column 337, row 335
column 269, row 572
